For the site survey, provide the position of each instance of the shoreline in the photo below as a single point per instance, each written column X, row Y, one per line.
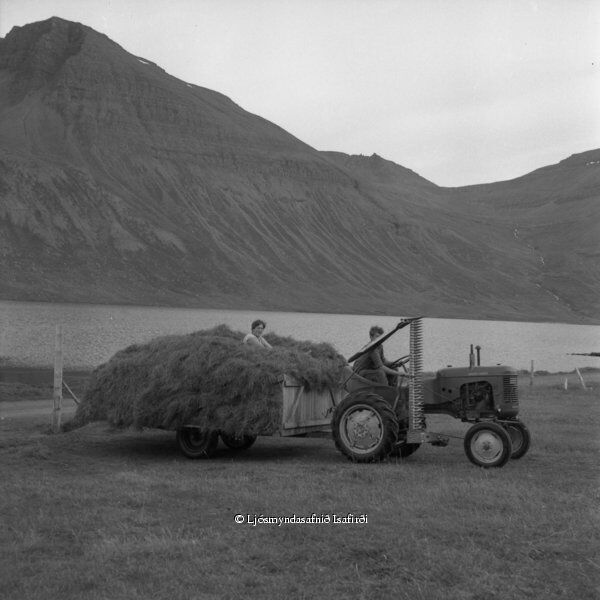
column 583, row 320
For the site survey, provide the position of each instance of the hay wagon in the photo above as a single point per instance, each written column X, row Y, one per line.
column 304, row 411
column 370, row 421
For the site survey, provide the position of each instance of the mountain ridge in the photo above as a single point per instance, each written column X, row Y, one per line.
column 120, row 183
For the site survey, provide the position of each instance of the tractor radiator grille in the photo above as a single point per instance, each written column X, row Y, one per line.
column 510, row 388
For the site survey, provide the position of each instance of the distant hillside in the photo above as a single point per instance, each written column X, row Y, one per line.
column 120, row 183
column 554, row 213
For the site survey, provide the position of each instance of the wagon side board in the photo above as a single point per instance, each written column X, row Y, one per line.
column 306, row 411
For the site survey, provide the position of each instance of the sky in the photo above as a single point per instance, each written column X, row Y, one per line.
column 460, row 91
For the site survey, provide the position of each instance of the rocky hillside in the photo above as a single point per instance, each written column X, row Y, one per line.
column 120, row 183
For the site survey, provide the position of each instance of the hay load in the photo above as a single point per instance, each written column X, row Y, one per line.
column 207, row 378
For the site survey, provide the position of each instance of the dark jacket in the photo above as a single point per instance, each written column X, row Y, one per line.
column 370, row 361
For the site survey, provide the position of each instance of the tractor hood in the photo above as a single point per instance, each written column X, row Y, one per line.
column 496, row 370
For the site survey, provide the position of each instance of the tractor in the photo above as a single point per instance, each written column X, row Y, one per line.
column 375, row 421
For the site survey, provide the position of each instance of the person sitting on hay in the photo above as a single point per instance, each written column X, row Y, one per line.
column 256, row 338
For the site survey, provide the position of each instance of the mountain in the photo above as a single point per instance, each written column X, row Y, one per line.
column 122, row 184
column 555, row 214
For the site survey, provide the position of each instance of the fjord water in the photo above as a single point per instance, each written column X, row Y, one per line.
column 92, row 333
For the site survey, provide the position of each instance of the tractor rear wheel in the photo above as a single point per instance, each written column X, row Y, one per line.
column 519, row 437
column 365, row 428
column 488, row 445
column 195, row 443
column 238, row 442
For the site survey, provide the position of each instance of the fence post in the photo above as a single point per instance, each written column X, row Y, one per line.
column 531, row 374
column 581, row 379
column 58, row 376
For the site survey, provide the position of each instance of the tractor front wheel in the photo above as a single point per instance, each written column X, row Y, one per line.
column 238, row 442
column 519, row 437
column 488, row 445
column 365, row 428
column 195, row 443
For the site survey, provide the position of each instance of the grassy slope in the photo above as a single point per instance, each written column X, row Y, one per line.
column 99, row 513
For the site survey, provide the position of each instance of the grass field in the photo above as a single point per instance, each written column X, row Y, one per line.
column 105, row 514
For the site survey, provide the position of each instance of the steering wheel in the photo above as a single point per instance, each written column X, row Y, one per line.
column 400, row 362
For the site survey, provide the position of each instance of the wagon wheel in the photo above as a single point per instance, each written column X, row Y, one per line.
column 238, row 442
column 195, row 443
column 365, row 428
column 519, row 437
column 488, row 445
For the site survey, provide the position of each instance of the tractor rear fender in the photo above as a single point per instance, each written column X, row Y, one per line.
column 389, row 394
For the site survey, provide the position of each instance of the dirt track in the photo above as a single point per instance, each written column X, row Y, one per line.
column 34, row 408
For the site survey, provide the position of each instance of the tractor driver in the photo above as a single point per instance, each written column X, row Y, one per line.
column 373, row 365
